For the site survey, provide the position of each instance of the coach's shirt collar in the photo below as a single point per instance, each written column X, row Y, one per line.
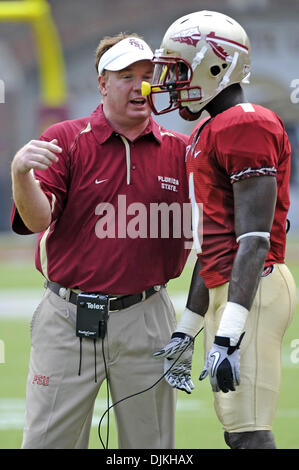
column 102, row 130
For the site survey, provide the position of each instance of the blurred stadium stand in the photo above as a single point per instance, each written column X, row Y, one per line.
column 271, row 24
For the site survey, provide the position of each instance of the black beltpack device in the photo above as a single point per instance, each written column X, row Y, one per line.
column 92, row 315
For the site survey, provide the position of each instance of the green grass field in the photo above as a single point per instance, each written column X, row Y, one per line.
column 197, row 425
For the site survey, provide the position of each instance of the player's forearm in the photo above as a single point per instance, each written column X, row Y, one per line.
column 254, row 206
column 198, row 297
column 32, row 204
column 247, row 269
column 192, row 318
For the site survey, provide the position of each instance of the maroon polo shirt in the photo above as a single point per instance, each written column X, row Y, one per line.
column 117, row 207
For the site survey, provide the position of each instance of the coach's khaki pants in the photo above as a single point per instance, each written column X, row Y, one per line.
column 253, row 405
column 59, row 405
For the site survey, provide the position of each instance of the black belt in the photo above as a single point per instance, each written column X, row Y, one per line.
column 116, row 303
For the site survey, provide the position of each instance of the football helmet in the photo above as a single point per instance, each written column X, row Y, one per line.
column 201, row 54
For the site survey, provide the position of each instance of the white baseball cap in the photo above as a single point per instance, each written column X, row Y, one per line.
column 125, row 53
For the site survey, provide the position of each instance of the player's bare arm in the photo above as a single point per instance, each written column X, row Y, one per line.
column 254, row 204
column 254, row 201
column 32, row 204
column 198, row 297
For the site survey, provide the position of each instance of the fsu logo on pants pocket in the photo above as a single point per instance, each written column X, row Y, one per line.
column 40, row 380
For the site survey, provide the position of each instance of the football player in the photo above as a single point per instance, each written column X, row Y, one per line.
column 238, row 167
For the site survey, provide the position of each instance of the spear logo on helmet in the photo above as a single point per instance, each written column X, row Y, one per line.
column 189, row 36
column 192, row 36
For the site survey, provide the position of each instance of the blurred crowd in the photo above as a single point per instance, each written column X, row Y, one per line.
column 272, row 26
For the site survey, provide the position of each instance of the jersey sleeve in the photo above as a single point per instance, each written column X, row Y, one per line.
column 250, row 148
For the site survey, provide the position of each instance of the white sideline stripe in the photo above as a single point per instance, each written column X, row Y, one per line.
column 12, row 411
column 21, row 304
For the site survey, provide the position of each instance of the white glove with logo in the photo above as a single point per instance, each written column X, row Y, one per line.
column 180, row 348
column 223, row 365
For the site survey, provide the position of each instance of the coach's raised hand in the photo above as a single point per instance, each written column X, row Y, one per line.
column 31, row 202
column 36, row 154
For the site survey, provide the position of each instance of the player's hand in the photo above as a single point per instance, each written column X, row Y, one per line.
column 181, row 348
column 37, row 154
column 223, row 365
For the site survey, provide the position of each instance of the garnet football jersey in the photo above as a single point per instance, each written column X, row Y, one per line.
column 244, row 141
column 111, row 200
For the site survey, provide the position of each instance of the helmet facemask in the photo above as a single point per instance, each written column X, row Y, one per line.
column 172, row 75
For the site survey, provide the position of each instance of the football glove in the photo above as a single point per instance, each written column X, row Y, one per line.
column 178, row 361
column 223, row 365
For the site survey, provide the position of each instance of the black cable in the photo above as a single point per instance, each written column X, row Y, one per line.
column 80, row 359
column 136, row 393
column 95, row 360
column 108, row 406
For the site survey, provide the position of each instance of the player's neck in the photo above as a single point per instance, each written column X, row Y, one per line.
column 228, row 98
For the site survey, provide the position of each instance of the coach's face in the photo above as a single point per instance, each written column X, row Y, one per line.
column 121, row 93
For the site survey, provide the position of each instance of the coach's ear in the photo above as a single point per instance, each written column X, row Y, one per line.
column 102, row 81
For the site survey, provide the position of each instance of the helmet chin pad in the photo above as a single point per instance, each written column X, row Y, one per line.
column 186, row 114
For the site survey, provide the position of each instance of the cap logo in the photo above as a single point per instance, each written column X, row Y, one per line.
column 122, row 54
column 136, row 43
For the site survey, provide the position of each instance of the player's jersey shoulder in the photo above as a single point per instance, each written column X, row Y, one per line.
column 249, row 140
column 247, row 114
